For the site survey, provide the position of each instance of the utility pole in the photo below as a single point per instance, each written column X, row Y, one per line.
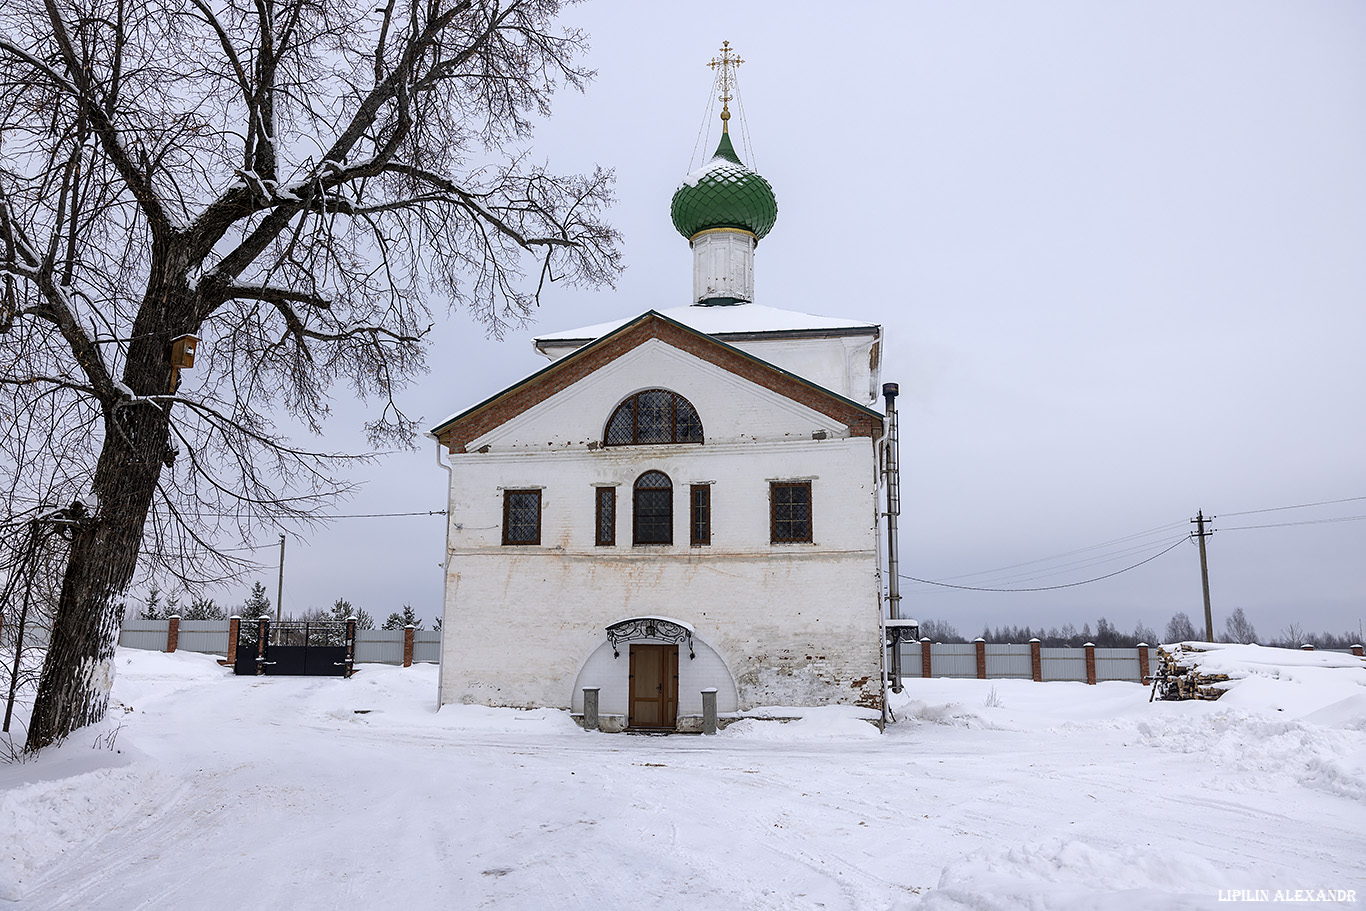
column 1200, row 535
column 279, row 592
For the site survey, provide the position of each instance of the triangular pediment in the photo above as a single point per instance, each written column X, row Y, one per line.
column 460, row 429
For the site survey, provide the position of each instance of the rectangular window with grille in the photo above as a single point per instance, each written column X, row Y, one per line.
column 521, row 517
column 607, row 516
column 790, row 504
column 701, row 514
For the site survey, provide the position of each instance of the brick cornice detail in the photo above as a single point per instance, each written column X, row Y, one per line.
column 457, row 433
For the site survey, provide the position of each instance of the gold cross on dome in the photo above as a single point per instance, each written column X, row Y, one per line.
column 724, row 67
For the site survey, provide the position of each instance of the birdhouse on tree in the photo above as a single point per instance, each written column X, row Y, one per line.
column 182, row 357
column 182, row 351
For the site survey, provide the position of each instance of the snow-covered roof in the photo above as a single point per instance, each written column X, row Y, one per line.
column 722, row 321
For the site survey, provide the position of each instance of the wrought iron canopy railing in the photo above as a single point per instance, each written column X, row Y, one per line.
column 648, row 628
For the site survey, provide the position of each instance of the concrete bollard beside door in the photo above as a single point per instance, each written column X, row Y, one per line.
column 590, row 708
column 709, row 710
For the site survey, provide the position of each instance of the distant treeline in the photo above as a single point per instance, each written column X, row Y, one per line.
column 1179, row 628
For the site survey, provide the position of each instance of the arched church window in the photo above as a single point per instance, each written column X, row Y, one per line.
column 653, row 519
column 653, row 416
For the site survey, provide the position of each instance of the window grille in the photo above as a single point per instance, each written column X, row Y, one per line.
column 701, row 515
column 790, row 502
column 607, row 516
column 653, row 519
column 521, row 517
column 653, row 416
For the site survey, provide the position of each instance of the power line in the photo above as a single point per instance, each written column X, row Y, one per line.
column 1296, row 506
column 1072, row 566
column 1079, row 550
column 1048, row 588
column 1285, row 524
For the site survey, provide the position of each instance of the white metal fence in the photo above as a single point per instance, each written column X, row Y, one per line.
column 373, row 646
column 959, row 659
column 151, row 635
column 1063, row 663
column 1008, row 661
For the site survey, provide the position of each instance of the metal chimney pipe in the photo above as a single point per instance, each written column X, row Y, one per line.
column 892, row 481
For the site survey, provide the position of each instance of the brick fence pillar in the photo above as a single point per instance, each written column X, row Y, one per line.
column 1090, row 663
column 262, row 633
column 1356, row 650
column 173, row 634
column 234, row 627
column 925, row 659
column 350, row 646
column 408, row 645
column 981, row 657
column 1036, row 659
column 1143, row 662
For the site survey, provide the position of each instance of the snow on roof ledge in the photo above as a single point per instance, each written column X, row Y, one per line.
column 738, row 318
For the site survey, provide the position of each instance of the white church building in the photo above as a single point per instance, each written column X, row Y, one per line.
column 680, row 501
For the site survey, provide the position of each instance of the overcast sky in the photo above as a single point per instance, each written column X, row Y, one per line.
column 1118, row 250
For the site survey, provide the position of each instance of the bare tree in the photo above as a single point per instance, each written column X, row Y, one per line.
column 1180, row 629
column 1237, row 628
column 290, row 181
column 1293, row 636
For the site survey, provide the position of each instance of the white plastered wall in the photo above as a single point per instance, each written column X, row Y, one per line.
column 793, row 623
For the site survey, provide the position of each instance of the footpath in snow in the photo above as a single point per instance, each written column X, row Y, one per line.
column 207, row 791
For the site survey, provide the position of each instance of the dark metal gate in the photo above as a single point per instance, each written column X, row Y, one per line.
column 315, row 648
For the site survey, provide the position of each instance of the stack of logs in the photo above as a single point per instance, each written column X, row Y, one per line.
column 1178, row 675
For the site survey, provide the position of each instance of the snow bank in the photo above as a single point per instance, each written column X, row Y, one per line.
column 1075, row 875
column 1264, row 752
column 986, row 794
column 60, row 808
column 832, row 722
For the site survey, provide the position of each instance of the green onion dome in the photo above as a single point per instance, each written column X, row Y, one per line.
column 724, row 194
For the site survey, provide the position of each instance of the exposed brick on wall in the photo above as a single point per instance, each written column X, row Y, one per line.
column 569, row 370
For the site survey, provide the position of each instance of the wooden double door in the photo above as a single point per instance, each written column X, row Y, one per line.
column 654, row 687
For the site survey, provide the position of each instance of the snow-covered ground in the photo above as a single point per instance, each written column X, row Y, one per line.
column 208, row 791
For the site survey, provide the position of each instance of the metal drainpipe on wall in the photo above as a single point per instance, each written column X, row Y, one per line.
column 877, row 549
column 892, row 473
column 445, row 573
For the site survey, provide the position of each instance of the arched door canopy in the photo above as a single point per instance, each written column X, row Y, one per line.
column 632, row 628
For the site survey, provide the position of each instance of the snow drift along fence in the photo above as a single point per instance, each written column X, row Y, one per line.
column 1028, row 661
column 373, row 646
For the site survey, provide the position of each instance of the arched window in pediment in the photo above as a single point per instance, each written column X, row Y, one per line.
column 653, row 416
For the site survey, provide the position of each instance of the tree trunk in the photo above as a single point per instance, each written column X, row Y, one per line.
column 78, row 671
